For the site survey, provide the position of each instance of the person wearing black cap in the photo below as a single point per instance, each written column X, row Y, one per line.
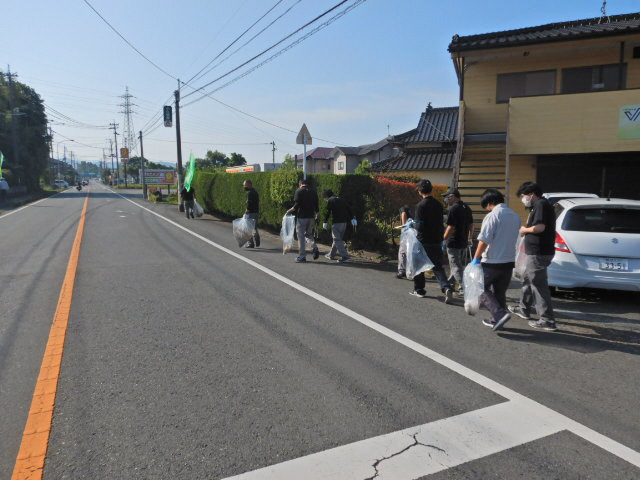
column 340, row 214
column 457, row 234
column 430, row 228
column 253, row 207
column 306, row 209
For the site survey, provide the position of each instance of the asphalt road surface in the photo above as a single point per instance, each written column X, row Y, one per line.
column 187, row 357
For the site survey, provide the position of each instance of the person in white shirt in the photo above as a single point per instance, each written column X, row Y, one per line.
column 496, row 253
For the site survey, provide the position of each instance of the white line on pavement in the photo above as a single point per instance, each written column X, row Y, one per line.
column 562, row 422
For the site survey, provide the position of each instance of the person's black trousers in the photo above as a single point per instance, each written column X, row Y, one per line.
column 434, row 252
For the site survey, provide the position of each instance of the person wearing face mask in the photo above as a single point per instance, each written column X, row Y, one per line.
column 253, row 205
column 457, row 234
column 539, row 237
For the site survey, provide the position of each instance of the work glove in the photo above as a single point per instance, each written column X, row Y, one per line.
column 325, row 226
column 475, row 261
column 354, row 222
column 443, row 247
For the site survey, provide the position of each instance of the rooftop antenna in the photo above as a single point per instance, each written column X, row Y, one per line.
column 603, row 10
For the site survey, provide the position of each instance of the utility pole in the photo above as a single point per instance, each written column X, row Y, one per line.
column 179, row 146
column 51, row 147
column 144, row 182
column 273, row 152
column 114, row 127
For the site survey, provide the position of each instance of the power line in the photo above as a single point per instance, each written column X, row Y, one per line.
column 236, row 39
column 268, row 49
column 128, row 42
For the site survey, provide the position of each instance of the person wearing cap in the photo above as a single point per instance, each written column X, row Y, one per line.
column 305, row 207
column 430, row 229
column 340, row 214
column 496, row 252
column 457, row 234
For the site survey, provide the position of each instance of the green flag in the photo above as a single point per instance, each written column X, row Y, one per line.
column 1, row 160
column 191, row 171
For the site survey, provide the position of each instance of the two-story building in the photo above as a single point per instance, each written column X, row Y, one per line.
column 558, row 104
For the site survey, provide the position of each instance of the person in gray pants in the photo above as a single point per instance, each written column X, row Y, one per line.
column 457, row 235
column 340, row 214
column 539, row 246
column 305, row 206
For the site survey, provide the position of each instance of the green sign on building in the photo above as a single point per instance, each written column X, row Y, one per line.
column 629, row 122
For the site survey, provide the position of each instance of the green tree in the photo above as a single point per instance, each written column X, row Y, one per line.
column 236, row 159
column 289, row 163
column 363, row 167
column 21, row 105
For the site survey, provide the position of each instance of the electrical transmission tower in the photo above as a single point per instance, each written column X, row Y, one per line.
column 128, row 134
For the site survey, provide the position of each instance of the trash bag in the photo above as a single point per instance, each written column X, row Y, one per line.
column 287, row 231
column 198, row 211
column 473, row 279
column 243, row 229
column 417, row 259
column 521, row 259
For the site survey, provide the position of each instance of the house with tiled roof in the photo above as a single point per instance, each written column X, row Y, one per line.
column 427, row 151
column 347, row 159
column 319, row 160
column 558, row 104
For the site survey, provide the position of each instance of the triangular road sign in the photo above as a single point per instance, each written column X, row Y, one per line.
column 304, row 135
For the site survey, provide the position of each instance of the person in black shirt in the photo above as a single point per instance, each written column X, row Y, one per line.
column 188, row 197
column 539, row 237
column 456, row 236
column 428, row 222
column 305, row 207
column 340, row 214
column 253, row 207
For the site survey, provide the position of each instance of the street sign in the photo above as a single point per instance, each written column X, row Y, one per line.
column 304, row 137
column 124, row 153
column 241, row 169
column 168, row 121
column 158, row 177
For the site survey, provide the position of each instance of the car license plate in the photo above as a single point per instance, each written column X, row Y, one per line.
column 614, row 264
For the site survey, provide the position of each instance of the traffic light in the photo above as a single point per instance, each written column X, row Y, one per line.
column 167, row 116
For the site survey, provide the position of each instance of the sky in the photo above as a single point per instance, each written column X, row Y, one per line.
column 369, row 73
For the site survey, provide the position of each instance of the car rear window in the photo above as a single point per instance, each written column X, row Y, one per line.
column 621, row 220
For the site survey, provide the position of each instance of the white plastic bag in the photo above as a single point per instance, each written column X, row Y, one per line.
column 243, row 229
column 417, row 259
column 473, row 279
column 198, row 211
column 521, row 259
column 286, row 233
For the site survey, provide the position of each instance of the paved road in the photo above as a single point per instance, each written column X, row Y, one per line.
column 186, row 357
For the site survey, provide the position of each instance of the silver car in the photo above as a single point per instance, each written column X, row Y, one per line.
column 597, row 244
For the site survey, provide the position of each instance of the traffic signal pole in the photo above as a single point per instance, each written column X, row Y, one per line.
column 144, row 182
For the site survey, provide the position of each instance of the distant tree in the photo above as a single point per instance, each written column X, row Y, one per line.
column 236, row 159
column 289, row 163
column 363, row 168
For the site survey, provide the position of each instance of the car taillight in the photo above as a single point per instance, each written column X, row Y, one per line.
column 560, row 244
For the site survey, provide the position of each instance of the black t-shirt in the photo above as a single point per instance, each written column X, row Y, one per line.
column 407, row 210
column 461, row 219
column 253, row 201
column 338, row 209
column 428, row 221
column 188, row 196
column 541, row 243
column 306, row 203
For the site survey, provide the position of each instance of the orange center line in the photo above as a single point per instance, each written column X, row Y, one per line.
column 35, row 439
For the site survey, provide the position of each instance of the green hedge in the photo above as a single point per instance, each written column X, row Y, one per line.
column 222, row 193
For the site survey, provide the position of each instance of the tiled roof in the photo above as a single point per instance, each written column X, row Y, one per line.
column 318, row 153
column 425, row 159
column 552, row 32
column 436, row 125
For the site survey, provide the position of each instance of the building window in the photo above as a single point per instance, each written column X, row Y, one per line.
column 340, row 165
column 525, row 84
column 596, row 78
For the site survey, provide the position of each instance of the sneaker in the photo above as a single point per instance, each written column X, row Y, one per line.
column 419, row 293
column 488, row 322
column 500, row 323
column 192, row 216
column 448, row 295
column 328, row 256
column 257, row 240
column 316, row 253
column 401, row 275
column 301, row 260
column 516, row 310
column 543, row 325
column 344, row 259
column 250, row 245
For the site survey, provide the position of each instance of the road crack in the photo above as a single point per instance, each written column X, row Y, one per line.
column 415, row 443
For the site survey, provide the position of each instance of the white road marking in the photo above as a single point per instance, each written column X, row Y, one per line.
column 534, row 408
column 422, row 450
